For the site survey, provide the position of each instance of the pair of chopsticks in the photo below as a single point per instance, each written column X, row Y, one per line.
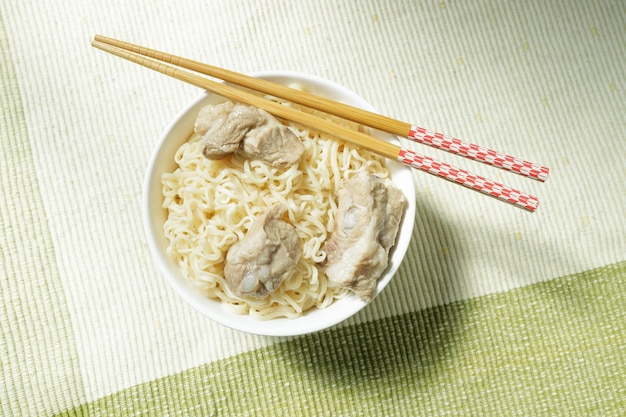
column 160, row 61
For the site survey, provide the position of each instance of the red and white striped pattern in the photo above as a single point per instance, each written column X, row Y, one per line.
column 469, row 180
column 478, row 153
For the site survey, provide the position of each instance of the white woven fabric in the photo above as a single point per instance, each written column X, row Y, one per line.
column 542, row 81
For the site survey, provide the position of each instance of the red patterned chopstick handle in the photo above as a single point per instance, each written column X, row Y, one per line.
column 478, row 153
column 468, row 179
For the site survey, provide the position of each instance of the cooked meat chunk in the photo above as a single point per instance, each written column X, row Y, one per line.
column 259, row 263
column 222, row 127
column 227, row 128
column 369, row 212
column 273, row 143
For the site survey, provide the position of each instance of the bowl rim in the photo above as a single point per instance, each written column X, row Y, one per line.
column 313, row 320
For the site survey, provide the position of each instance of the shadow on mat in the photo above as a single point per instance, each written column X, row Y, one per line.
column 412, row 343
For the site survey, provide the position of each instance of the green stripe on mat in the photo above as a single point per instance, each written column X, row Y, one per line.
column 39, row 371
column 554, row 348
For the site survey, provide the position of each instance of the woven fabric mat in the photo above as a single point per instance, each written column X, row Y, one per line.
column 494, row 311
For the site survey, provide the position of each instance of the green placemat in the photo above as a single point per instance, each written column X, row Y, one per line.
column 477, row 320
column 554, row 348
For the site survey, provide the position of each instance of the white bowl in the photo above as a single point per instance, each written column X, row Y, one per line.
column 162, row 161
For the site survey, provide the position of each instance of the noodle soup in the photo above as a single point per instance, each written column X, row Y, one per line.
column 208, row 205
column 212, row 203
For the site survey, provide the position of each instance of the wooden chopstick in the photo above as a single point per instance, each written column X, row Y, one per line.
column 364, row 117
column 359, row 139
column 362, row 140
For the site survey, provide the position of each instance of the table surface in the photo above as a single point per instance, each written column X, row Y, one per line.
column 494, row 311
